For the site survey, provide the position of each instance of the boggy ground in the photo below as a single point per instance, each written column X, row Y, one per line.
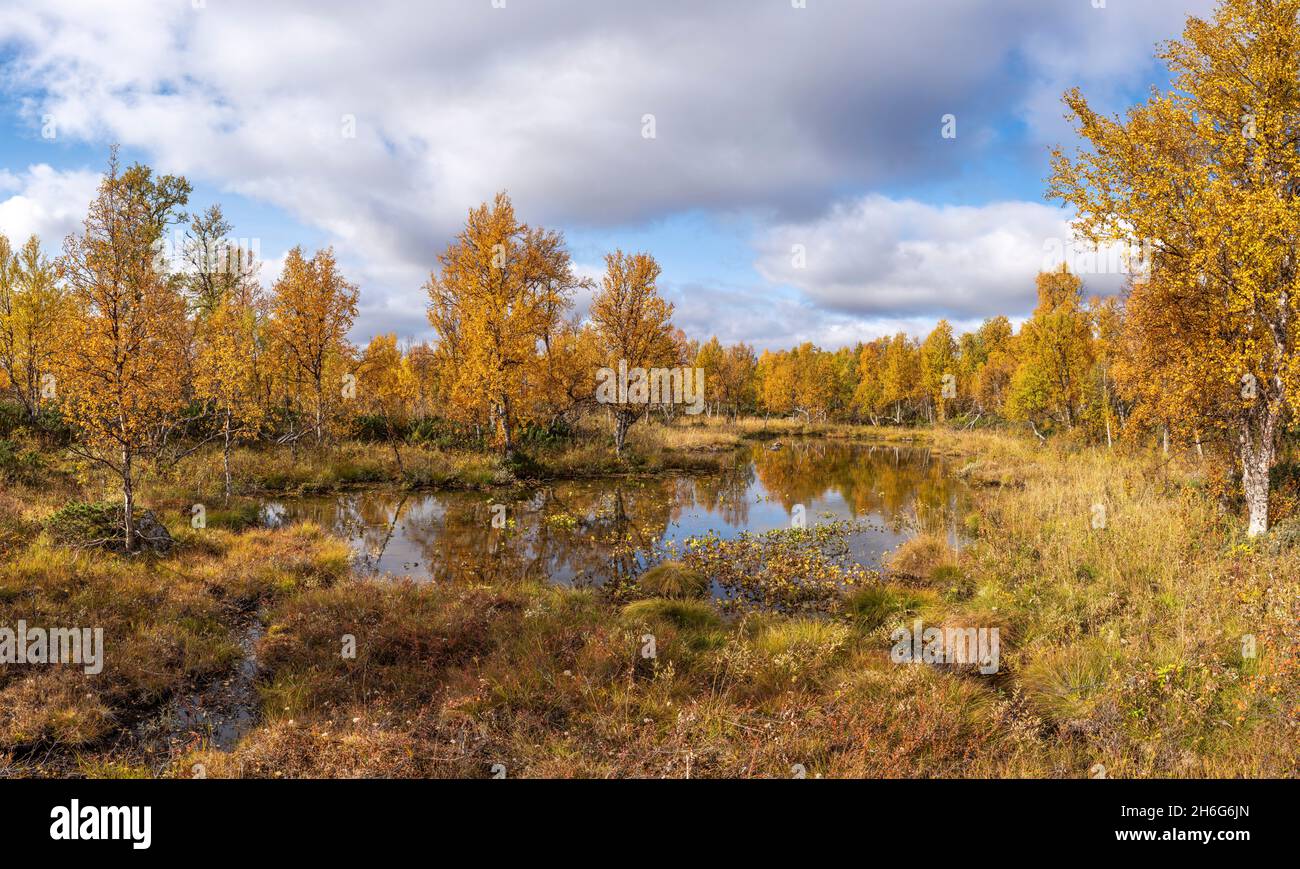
column 1122, row 647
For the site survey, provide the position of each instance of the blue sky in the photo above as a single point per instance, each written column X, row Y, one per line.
column 775, row 127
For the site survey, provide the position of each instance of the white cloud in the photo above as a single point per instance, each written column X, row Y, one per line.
column 45, row 202
column 881, row 257
column 1110, row 49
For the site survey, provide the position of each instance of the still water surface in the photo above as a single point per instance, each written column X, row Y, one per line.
column 588, row 532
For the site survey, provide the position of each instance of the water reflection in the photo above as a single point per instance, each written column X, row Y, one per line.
column 592, row 531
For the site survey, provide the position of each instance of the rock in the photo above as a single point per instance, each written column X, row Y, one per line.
column 101, row 524
column 151, row 534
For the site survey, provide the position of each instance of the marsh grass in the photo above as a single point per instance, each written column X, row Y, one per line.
column 673, row 579
column 1066, row 684
column 682, row 614
column 875, row 606
column 313, row 470
column 1120, row 645
column 788, row 654
column 169, row 623
column 281, row 470
column 922, row 558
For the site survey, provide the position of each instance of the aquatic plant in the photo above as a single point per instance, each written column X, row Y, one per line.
column 784, row 570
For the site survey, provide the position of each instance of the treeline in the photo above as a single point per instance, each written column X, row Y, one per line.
column 134, row 349
column 123, row 352
column 1061, row 372
column 137, row 356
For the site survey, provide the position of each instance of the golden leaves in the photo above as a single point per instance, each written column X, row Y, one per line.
column 313, row 309
column 118, row 372
column 497, row 303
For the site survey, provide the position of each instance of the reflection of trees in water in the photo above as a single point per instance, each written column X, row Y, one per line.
column 618, row 527
column 584, row 532
column 377, row 554
column 594, row 532
column 725, row 493
column 902, row 485
column 368, row 520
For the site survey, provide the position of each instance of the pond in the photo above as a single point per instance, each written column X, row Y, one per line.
column 589, row 532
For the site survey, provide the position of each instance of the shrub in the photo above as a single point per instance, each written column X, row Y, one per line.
column 101, row 525
column 524, row 466
column 12, row 417
column 86, row 524
column 375, row 428
column 21, row 466
column 432, row 432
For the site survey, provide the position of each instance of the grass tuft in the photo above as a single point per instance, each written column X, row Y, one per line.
column 673, row 579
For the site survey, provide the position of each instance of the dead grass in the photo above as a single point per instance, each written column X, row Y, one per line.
column 1121, row 646
column 919, row 558
column 168, row 623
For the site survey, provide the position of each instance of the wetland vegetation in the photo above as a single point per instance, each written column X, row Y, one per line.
column 524, row 645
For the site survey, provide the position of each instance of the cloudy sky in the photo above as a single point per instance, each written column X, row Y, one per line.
column 797, row 185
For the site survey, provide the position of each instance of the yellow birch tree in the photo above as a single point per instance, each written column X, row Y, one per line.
column 313, row 308
column 228, row 368
column 387, row 387
column 1206, row 177
column 34, row 309
column 117, row 372
column 634, row 326
column 501, row 291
